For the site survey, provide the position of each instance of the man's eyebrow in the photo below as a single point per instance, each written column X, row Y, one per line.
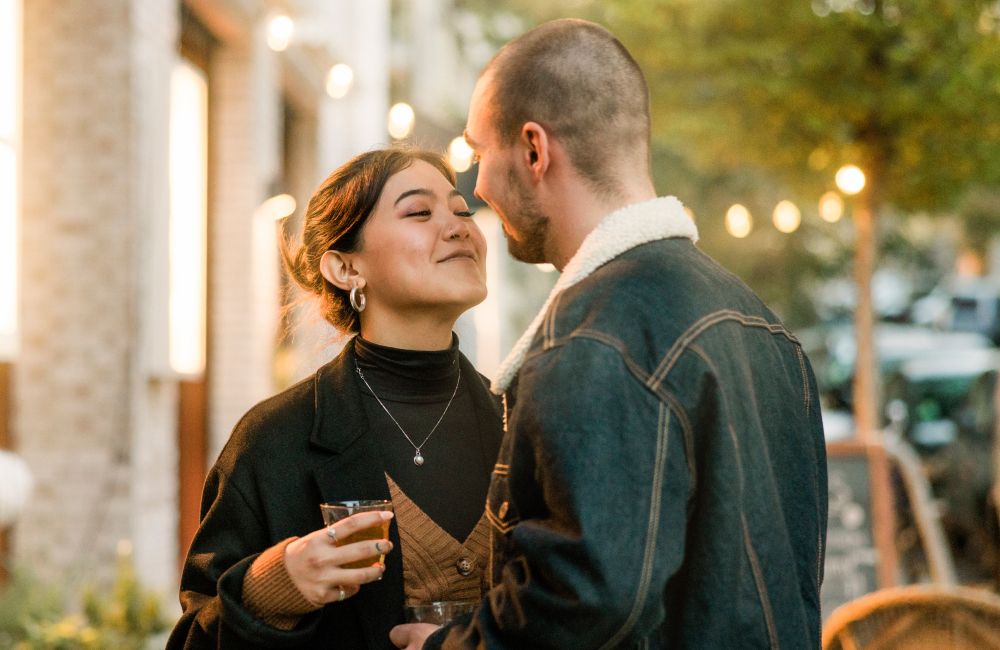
column 468, row 140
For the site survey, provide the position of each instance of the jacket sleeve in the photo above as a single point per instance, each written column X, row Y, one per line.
column 599, row 488
column 230, row 538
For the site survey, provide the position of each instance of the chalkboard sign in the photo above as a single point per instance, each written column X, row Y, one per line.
column 860, row 553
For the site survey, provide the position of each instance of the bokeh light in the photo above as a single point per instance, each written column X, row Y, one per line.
column 787, row 217
column 460, row 154
column 339, row 80
column 401, row 118
column 831, row 207
column 280, row 29
column 739, row 222
column 850, row 179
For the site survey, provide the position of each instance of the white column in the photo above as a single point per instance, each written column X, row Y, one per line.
column 153, row 414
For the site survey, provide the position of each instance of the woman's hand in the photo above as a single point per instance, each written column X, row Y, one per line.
column 411, row 636
column 314, row 562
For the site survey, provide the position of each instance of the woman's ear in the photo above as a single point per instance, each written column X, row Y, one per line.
column 537, row 155
column 339, row 270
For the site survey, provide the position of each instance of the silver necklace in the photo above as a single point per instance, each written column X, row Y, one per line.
column 418, row 458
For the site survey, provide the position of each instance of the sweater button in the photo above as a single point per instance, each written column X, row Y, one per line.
column 465, row 566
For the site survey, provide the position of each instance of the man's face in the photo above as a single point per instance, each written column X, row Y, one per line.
column 503, row 185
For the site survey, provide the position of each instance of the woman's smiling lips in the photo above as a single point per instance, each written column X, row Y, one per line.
column 459, row 255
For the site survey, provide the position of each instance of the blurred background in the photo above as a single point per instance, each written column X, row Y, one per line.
column 840, row 156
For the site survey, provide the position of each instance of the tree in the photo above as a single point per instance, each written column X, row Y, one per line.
column 789, row 90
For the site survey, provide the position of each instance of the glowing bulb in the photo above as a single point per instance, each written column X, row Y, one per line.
column 831, row 207
column 401, row 119
column 277, row 207
column 739, row 222
column 850, row 179
column 339, row 80
column 279, row 32
column 460, row 154
column 787, row 217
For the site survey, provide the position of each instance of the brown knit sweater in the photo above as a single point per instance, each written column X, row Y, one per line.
column 436, row 566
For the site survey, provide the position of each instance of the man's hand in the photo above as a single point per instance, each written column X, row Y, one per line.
column 411, row 636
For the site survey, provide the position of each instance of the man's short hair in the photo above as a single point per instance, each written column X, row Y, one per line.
column 579, row 82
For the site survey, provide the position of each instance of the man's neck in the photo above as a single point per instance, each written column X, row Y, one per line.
column 578, row 212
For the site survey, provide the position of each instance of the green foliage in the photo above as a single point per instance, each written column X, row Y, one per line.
column 754, row 102
column 32, row 615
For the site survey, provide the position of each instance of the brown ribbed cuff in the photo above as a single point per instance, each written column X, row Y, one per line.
column 270, row 594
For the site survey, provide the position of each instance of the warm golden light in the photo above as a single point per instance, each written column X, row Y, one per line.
column 188, row 218
column 460, row 154
column 9, row 101
column 280, row 29
column 690, row 213
column 787, row 217
column 339, row 80
column 850, row 179
column 739, row 222
column 831, row 207
column 401, row 118
column 275, row 208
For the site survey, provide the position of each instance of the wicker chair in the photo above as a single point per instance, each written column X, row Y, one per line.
column 917, row 617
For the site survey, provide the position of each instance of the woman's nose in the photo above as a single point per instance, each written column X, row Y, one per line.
column 458, row 228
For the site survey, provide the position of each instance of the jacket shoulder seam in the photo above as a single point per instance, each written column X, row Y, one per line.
column 702, row 325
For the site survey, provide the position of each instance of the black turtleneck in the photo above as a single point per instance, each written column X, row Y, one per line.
column 415, row 386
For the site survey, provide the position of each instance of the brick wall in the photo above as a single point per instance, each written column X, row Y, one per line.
column 73, row 371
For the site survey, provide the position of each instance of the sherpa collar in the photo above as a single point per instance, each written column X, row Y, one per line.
column 618, row 232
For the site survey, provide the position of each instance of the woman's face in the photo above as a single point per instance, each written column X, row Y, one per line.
column 421, row 253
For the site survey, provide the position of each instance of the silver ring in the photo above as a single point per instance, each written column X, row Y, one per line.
column 343, row 594
column 331, row 532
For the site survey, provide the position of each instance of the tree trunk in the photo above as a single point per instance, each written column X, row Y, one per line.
column 865, row 389
column 996, row 457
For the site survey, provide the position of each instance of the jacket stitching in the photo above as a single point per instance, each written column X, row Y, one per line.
column 550, row 323
column 806, row 395
column 652, row 529
column 699, row 327
column 659, row 391
column 765, row 601
column 758, row 578
column 499, row 524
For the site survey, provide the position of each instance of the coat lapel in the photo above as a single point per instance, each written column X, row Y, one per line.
column 354, row 470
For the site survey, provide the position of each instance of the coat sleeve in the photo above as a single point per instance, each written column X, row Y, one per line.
column 230, row 538
column 599, row 487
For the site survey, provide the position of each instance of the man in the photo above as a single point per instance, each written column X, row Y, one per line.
column 662, row 481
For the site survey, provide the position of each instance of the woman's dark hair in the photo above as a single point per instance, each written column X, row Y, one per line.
column 335, row 217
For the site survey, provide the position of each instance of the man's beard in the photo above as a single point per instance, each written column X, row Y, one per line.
column 533, row 224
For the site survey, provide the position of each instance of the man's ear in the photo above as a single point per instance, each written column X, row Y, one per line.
column 338, row 269
column 537, row 152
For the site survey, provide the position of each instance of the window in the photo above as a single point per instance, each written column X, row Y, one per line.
column 9, row 127
column 188, row 217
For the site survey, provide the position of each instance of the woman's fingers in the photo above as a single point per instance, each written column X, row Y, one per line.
column 350, row 525
column 369, row 549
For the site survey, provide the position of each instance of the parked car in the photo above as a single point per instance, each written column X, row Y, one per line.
column 832, row 350
column 942, row 388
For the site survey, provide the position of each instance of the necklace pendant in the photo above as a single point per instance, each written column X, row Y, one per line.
column 418, row 460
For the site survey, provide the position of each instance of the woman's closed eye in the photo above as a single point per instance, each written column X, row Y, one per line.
column 464, row 213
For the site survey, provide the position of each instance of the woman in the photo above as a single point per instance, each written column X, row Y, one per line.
column 390, row 250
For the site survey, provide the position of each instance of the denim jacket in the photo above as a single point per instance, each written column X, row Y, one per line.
column 662, row 479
